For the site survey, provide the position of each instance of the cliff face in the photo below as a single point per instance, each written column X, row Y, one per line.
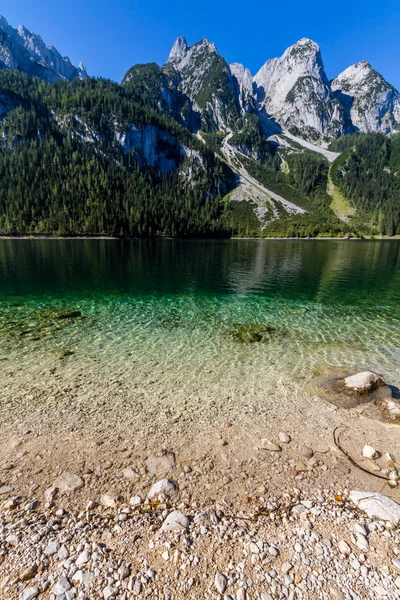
column 370, row 102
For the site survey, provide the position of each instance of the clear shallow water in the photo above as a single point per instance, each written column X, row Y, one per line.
column 174, row 304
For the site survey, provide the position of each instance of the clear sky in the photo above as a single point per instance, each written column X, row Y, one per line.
column 109, row 36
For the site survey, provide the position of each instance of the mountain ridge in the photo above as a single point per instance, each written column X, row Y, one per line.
column 196, row 146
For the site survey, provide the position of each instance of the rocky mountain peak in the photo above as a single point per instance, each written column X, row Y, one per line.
column 26, row 51
column 178, row 50
column 371, row 103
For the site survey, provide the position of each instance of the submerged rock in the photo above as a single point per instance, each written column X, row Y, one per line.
column 255, row 332
column 73, row 314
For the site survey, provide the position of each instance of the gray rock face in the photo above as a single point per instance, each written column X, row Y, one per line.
column 377, row 506
column 20, row 49
column 178, row 50
column 295, row 91
column 243, row 80
column 370, row 102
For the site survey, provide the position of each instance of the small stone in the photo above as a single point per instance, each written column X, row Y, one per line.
column 130, row 474
column 110, row 499
column 29, row 593
column 52, row 548
column 285, row 568
column 220, row 582
column 135, row 501
column 396, row 563
column 241, row 594
column 68, row 482
column 137, row 588
column 62, row 586
column 161, row 463
column 29, row 573
column 167, row 487
column 284, row 437
column 362, row 542
column 176, row 521
column 369, row 451
column 50, row 493
column 83, row 558
column 344, row 548
column 270, row 446
column 306, row 452
column 5, row 489
column 109, row 592
column 165, row 555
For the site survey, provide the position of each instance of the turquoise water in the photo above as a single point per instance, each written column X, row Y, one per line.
column 177, row 304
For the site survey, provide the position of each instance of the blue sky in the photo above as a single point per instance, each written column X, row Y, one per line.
column 111, row 36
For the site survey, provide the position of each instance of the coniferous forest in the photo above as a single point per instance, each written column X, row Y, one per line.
column 68, row 166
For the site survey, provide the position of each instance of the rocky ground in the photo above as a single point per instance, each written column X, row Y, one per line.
column 318, row 545
column 261, row 487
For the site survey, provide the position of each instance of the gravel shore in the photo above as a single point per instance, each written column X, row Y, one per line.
column 292, row 546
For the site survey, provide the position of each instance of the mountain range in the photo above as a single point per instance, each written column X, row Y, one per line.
column 253, row 155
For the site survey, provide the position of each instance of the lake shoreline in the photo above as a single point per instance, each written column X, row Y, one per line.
column 202, row 239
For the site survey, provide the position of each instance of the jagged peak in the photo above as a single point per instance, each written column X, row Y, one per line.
column 179, row 49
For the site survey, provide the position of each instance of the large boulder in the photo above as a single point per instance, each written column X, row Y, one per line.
column 377, row 506
column 364, row 391
column 363, row 383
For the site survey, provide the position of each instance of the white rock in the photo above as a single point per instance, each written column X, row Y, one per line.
column 377, row 506
column 135, row 501
column 109, row 592
column 62, row 586
column 220, row 582
column 26, row 51
column 110, row 499
column 29, row 593
column 396, row 563
column 130, row 473
column 271, row 446
column 284, row 437
column 52, row 548
column 167, row 487
column 362, row 542
column 363, row 383
column 369, row 451
column 344, row 548
column 83, row 558
column 176, row 521
column 68, row 482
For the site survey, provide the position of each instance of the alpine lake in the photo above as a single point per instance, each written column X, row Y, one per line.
column 198, row 313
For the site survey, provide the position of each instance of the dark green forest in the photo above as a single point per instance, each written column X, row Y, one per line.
column 62, row 171
column 368, row 174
